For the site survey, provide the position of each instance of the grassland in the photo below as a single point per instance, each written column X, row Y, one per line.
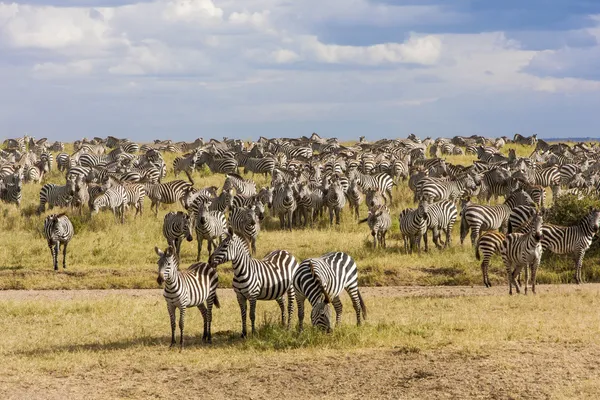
column 426, row 343
column 105, row 254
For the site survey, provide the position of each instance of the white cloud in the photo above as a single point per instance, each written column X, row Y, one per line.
column 285, row 56
column 192, row 10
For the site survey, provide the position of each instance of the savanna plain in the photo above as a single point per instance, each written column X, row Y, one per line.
column 100, row 328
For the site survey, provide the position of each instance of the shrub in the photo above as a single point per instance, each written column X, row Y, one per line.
column 568, row 209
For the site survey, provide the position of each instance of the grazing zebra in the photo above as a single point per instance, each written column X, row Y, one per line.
column 478, row 217
column 186, row 164
column 242, row 186
column 244, row 222
column 441, row 217
column 259, row 165
column 253, row 279
column 525, row 141
column 379, row 221
column 176, row 226
column 114, row 198
column 335, row 201
column 520, row 250
column 355, row 198
column 218, row 165
column 321, row 280
column 167, row 193
column 194, row 287
column 210, row 225
column 55, row 195
column 487, row 245
column 381, row 182
column 284, row 204
column 575, row 239
column 435, row 190
column 413, row 226
column 58, row 230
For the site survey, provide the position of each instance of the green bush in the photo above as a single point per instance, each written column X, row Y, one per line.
column 569, row 210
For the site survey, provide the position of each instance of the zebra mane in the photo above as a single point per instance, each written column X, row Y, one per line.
column 318, row 280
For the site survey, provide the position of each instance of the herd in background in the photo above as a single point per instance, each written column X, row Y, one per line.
column 309, row 176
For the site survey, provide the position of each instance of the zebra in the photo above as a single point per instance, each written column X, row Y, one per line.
column 381, row 182
column 284, row 204
column 374, row 198
column 487, row 245
column 209, row 225
column 259, row 165
column 477, row 217
column 58, row 230
column 575, row 239
column 194, row 287
column 253, row 279
column 136, row 193
column 434, row 190
column 114, row 198
column 519, row 218
column 525, row 141
column 11, row 188
column 413, row 226
column 245, row 224
column 520, row 250
column 242, row 186
column 218, row 165
column 176, row 226
column 36, row 172
column 167, row 193
column 441, row 217
column 335, row 201
column 321, row 280
column 55, row 195
column 379, row 221
column 186, row 164
column 355, row 198
column 82, row 195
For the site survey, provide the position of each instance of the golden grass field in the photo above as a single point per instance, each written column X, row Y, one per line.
column 105, row 254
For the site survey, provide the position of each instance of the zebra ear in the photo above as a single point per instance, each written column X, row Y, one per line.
column 170, row 251
column 158, row 251
column 230, row 231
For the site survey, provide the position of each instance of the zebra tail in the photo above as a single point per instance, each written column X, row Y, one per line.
column 477, row 256
column 464, row 227
column 362, row 221
column 216, row 302
column 363, row 306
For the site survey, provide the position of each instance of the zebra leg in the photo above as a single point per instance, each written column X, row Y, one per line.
column 356, row 302
column 578, row 265
column 253, row 242
column 290, row 219
column 281, row 305
column 243, row 306
column 253, row 315
column 65, row 255
column 291, row 295
column 509, row 275
column 534, row 268
column 204, row 313
column 425, row 240
column 484, row 270
column 374, row 234
column 181, row 323
column 281, row 221
column 209, row 306
column 526, row 277
column 338, row 307
column 171, row 310
column 199, row 238
column 516, row 272
column 474, row 235
column 54, row 252
column 300, row 301
column 330, row 216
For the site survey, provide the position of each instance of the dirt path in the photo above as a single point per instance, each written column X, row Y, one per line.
column 387, row 291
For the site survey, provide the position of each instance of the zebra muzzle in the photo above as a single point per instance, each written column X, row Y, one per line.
column 160, row 280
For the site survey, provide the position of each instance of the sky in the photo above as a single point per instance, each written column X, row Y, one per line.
column 183, row 69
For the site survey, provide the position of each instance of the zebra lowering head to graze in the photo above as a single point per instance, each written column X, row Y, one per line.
column 575, row 239
column 488, row 244
column 194, row 287
column 58, row 230
column 176, row 226
column 253, row 279
column 321, row 280
column 523, row 250
column 379, row 221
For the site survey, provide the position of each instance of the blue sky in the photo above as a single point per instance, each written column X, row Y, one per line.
column 182, row 69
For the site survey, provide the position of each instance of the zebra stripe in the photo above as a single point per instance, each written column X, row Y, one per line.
column 58, row 230
column 114, row 198
column 335, row 201
column 167, row 193
column 379, row 221
column 381, row 182
column 176, row 226
column 413, row 226
column 487, row 245
column 441, row 217
column 245, row 223
column 209, row 225
column 284, row 205
column 242, row 186
column 55, row 195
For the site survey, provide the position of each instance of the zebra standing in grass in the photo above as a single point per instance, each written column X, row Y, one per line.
column 194, row 287
column 284, row 204
column 218, row 165
column 267, row 279
column 259, row 166
column 55, row 195
column 10, row 189
column 575, row 239
column 244, row 222
column 477, row 217
column 336, row 201
column 435, row 190
column 186, row 164
column 379, row 221
column 210, row 225
column 114, row 198
column 355, row 198
column 242, row 186
column 487, row 245
column 381, row 182
column 176, row 226
column 136, row 193
column 441, row 217
column 413, row 227
column 321, row 280
column 523, row 250
column 374, row 198
column 58, row 230
column 167, row 193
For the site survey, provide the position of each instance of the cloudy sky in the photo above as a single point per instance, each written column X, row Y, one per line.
column 211, row 68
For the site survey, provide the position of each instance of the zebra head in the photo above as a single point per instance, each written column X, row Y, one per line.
column 320, row 315
column 266, row 196
column 223, row 253
column 259, row 209
column 188, row 224
column 167, row 264
column 593, row 219
column 203, row 210
column 536, row 226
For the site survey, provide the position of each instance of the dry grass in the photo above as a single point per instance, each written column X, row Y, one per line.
column 105, row 254
column 494, row 346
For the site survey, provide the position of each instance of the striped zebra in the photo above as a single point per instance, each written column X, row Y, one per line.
column 519, row 218
column 523, row 250
column 259, row 166
column 209, row 225
column 81, row 197
column 136, row 193
column 321, row 280
column 242, row 186
column 335, row 201
column 223, row 201
column 525, row 140
column 413, row 227
column 56, row 196
column 478, row 217
column 114, row 198
column 575, row 239
column 176, row 226
column 381, row 182
column 441, row 217
column 495, row 182
column 58, row 230
column 11, row 189
column 194, row 287
column 166, row 193
column 435, row 190
column 245, row 223
column 374, row 198
column 267, row 279
column 487, row 245
column 186, row 164
column 310, row 202
column 218, row 165
column 379, row 221
column 284, row 205
column 355, row 198
column 36, row 172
